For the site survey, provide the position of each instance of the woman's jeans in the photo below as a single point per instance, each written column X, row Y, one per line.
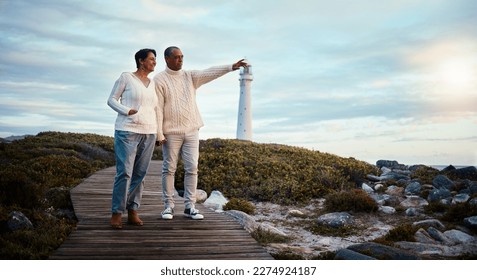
column 133, row 155
column 187, row 145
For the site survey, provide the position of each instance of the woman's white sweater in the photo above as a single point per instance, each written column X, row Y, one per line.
column 178, row 112
column 130, row 93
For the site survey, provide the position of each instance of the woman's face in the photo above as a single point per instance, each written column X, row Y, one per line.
column 149, row 62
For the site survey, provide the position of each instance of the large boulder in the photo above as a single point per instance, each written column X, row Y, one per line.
column 17, row 220
column 336, row 219
column 382, row 252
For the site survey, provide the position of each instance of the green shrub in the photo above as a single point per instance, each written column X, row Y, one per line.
column 286, row 255
column 18, row 189
column 36, row 174
column 326, row 230
column 356, row 200
column 435, row 207
column 457, row 212
column 241, row 205
column 275, row 173
column 404, row 232
column 425, row 174
column 38, row 243
column 266, row 237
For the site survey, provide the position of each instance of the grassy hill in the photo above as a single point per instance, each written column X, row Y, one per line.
column 37, row 172
column 272, row 172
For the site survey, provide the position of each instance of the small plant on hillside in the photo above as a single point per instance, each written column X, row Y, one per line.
column 404, row 232
column 435, row 207
column 275, row 173
column 264, row 236
column 241, row 205
column 286, row 255
column 457, row 212
column 356, row 200
column 326, row 230
column 36, row 174
column 425, row 174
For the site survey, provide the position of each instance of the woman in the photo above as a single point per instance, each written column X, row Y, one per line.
column 134, row 98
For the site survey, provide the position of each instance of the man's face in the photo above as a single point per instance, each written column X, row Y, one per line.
column 174, row 62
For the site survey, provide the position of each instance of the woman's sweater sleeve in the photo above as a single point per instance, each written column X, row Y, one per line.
column 115, row 96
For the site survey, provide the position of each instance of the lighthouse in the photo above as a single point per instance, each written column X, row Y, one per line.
column 244, row 120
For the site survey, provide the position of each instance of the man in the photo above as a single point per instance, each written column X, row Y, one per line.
column 179, row 122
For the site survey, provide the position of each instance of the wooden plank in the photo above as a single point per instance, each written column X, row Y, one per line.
column 218, row 236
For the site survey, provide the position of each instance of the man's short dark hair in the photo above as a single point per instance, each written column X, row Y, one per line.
column 168, row 51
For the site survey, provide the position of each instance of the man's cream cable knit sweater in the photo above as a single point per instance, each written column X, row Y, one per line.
column 176, row 91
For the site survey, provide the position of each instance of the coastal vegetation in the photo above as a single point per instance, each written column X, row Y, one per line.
column 37, row 173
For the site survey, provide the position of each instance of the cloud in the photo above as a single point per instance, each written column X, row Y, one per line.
column 347, row 77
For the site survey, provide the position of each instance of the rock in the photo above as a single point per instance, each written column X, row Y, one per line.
column 17, row 220
column 429, row 223
column 439, row 236
column 458, row 236
column 448, row 168
column 394, row 190
column 415, row 167
column 65, row 213
column 413, row 188
column 250, row 225
column 469, row 173
column 367, row 188
column 437, row 250
column 393, row 176
column 216, row 201
column 346, row 254
column 378, row 187
column 446, row 201
column 382, row 252
column 393, row 201
column 59, row 198
column 473, row 201
column 439, row 194
column 201, row 196
column 295, row 213
column 380, row 199
column 442, row 182
column 373, row 177
column 244, row 219
column 472, row 188
column 387, row 209
column 411, row 212
column 471, row 222
column 414, row 201
column 271, row 229
column 336, row 219
column 393, row 164
column 460, row 198
column 422, row 236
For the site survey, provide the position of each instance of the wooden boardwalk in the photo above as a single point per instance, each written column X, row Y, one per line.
column 217, row 237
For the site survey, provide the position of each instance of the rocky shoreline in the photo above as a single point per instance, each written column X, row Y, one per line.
column 402, row 193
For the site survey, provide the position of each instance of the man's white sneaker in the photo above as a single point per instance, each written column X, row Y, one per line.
column 168, row 214
column 193, row 214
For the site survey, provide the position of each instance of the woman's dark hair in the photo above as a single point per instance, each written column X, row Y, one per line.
column 142, row 54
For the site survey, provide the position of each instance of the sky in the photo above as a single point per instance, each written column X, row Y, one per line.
column 367, row 79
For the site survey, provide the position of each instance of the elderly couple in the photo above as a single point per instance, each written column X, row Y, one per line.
column 160, row 111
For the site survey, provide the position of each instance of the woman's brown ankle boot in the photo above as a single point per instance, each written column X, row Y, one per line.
column 133, row 218
column 116, row 221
